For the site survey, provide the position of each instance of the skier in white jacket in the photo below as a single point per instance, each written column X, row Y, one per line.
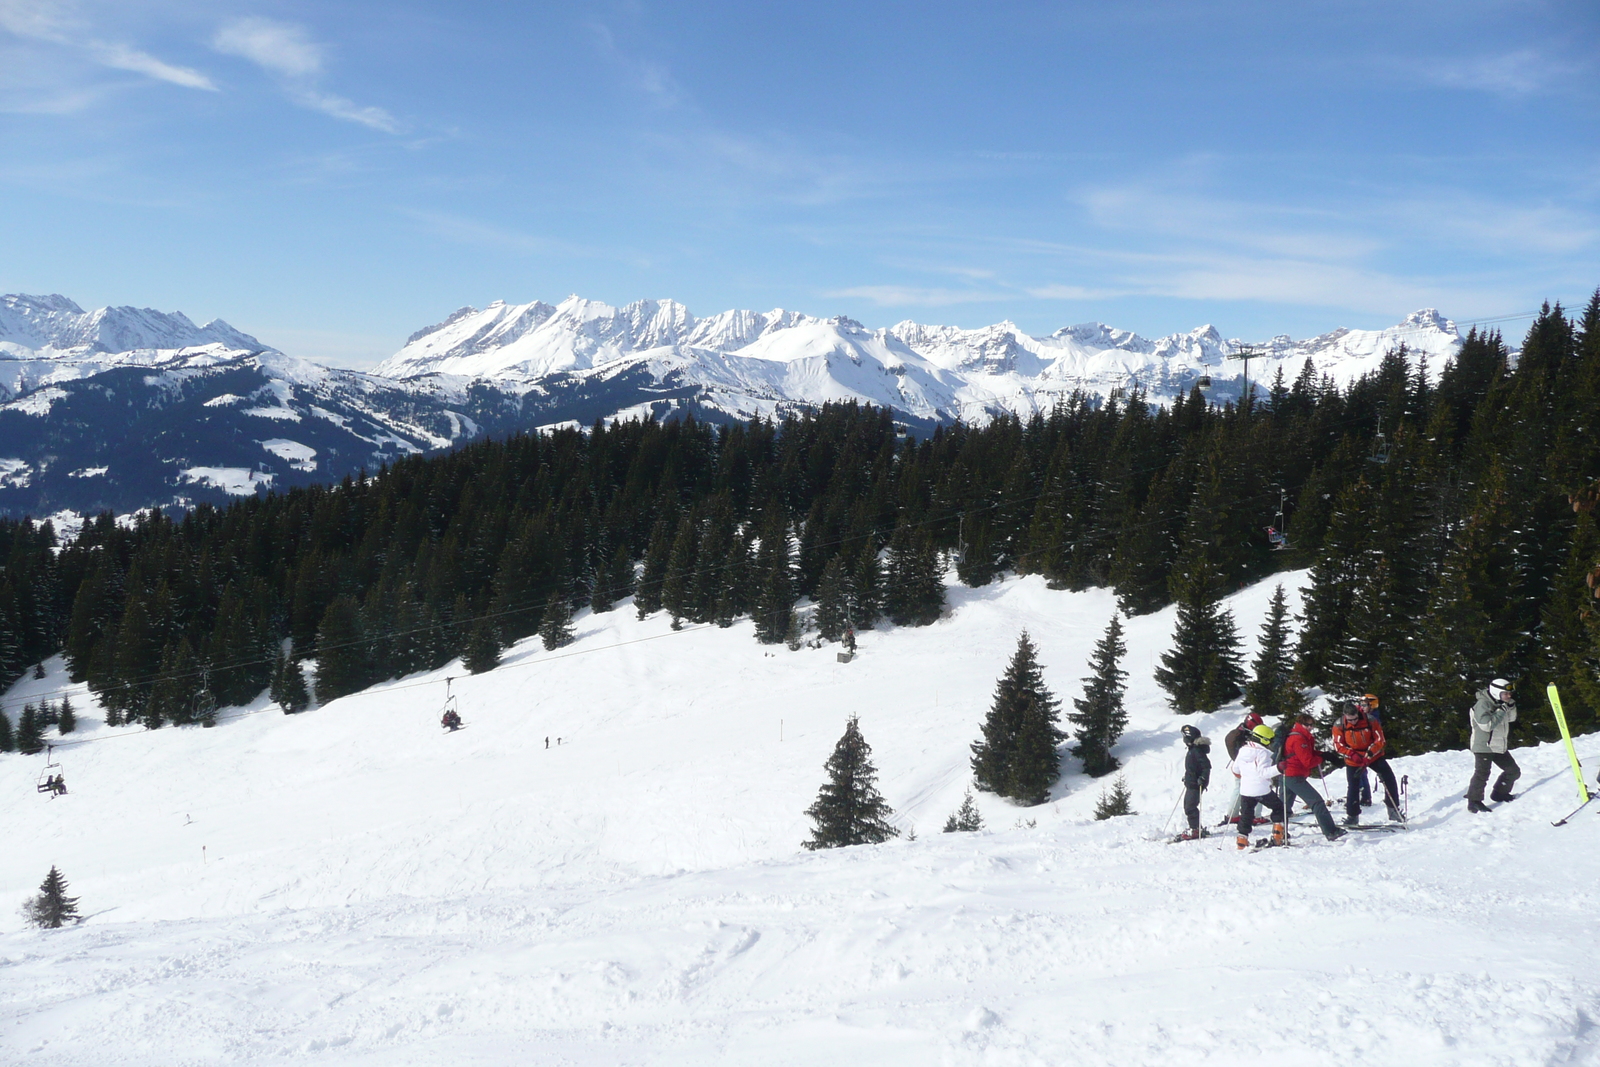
column 1255, row 770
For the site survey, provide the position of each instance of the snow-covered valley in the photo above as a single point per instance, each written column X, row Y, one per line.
column 353, row 886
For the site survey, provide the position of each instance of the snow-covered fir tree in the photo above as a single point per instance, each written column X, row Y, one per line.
column 52, row 908
column 849, row 809
column 555, row 629
column 289, row 690
column 965, row 819
column 1098, row 717
column 1202, row 671
column 1017, row 756
column 1272, row 691
column 1114, row 801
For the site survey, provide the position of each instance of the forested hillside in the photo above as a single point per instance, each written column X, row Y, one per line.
column 1435, row 506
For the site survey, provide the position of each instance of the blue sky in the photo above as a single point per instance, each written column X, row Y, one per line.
column 332, row 176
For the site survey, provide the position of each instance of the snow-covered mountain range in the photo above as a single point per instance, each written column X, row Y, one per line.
column 126, row 408
column 748, row 363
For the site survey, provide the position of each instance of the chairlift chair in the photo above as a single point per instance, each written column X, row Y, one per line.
column 205, row 702
column 1275, row 535
column 1204, row 381
column 1380, row 446
column 46, row 781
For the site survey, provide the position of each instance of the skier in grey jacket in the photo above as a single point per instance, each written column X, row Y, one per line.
column 1492, row 715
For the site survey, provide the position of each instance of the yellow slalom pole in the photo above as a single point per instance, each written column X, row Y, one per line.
column 1572, row 753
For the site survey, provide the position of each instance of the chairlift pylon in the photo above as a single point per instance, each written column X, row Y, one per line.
column 1380, row 445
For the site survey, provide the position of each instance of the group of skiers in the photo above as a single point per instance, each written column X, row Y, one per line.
column 1260, row 757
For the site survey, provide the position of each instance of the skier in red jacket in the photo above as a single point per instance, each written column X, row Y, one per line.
column 1360, row 740
column 1300, row 758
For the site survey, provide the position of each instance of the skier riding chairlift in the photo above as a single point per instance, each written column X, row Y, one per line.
column 451, row 719
column 50, row 779
column 1277, row 539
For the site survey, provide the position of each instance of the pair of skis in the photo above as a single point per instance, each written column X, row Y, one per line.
column 1572, row 754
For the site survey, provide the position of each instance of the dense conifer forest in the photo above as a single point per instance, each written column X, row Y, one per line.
column 1443, row 512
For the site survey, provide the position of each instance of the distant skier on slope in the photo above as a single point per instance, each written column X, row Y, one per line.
column 1300, row 758
column 1255, row 771
column 1196, row 777
column 1361, row 741
column 1492, row 715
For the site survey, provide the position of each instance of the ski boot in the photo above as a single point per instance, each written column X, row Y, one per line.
column 1395, row 814
column 1242, row 841
column 1502, row 798
column 1478, row 807
column 1278, row 837
column 1336, row 833
column 1353, row 819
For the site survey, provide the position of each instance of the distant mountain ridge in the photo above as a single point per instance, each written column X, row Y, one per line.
column 125, row 408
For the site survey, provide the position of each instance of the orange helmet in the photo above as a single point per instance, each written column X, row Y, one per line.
column 1371, row 700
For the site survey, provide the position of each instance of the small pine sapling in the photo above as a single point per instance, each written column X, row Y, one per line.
column 1114, row 801
column 849, row 810
column 964, row 819
column 38, row 671
column 52, row 908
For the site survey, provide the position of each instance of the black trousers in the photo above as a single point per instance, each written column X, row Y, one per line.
column 1509, row 773
column 1191, row 806
column 1353, row 777
column 1247, row 810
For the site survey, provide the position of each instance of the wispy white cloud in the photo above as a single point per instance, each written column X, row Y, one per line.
column 279, row 47
column 289, row 52
column 60, row 24
column 1524, row 72
column 123, row 57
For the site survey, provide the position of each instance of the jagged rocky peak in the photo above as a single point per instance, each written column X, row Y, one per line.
column 55, row 324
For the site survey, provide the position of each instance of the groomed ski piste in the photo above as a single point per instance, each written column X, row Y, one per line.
column 354, row 886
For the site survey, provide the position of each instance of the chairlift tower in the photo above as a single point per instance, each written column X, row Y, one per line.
column 1246, row 353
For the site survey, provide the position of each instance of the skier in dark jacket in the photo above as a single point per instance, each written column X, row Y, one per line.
column 1300, row 758
column 1196, row 777
column 1492, row 715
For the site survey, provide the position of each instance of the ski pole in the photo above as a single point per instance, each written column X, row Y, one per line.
column 1165, row 825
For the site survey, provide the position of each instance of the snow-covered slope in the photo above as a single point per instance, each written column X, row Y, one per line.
column 353, row 886
column 936, row 373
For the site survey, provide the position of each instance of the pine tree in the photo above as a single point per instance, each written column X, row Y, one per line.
column 1202, row 671
column 1099, row 716
column 482, row 649
column 8, row 739
column 913, row 593
column 647, row 593
column 833, row 606
column 1271, row 690
column 341, row 651
column 964, row 819
column 679, row 580
column 68, row 721
column 289, row 685
column 556, row 630
column 614, row 582
column 1012, row 758
column 775, row 596
column 1115, row 801
column 866, row 588
column 849, row 810
column 30, row 739
column 52, row 908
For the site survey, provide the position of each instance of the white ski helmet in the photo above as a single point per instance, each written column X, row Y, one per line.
column 1500, row 689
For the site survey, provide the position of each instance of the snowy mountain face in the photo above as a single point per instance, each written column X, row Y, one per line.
column 746, row 363
column 128, row 408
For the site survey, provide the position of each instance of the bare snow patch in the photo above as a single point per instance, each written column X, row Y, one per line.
column 88, row 472
column 15, row 473
column 225, row 400
column 39, row 402
column 235, row 481
column 301, row 457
